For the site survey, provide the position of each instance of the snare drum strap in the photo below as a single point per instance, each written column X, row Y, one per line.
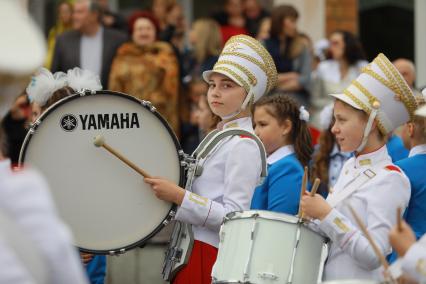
column 214, row 138
column 351, row 187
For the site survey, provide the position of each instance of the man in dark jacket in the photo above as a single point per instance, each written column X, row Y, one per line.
column 89, row 45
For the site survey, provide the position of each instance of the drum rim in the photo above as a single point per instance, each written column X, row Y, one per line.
column 145, row 104
column 263, row 214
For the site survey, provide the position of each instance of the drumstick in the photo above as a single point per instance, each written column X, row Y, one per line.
column 315, row 186
column 100, row 142
column 369, row 238
column 398, row 218
column 303, row 189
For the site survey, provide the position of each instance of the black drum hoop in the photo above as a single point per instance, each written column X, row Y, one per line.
column 146, row 105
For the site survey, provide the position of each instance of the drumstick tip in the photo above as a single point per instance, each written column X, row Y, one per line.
column 99, row 141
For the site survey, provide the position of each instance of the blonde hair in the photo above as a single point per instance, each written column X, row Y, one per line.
column 209, row 39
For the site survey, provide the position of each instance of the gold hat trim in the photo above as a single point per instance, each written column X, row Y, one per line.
column 252, row 78
column 246, row 86
column 365, row 92
column 407, row 95
column 261, row 51
column 254, row 61
column 410, row 106
column 366, row 109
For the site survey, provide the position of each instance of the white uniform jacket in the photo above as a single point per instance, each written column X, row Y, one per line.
column 24, row 196
column 12, row 270
column 231, row 172
column 376, row 201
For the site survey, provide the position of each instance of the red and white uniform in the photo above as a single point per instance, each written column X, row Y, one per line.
column 351, row 255
column 231, row 172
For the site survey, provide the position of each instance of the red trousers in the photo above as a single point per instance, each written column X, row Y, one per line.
column 199, row 267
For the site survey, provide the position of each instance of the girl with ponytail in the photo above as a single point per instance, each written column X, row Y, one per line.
column 282, row 126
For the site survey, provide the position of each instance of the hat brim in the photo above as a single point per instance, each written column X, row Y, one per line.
column 421, row 111
column 344, row 98
column 208, row 73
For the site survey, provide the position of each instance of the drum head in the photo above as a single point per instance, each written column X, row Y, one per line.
column 105, row 202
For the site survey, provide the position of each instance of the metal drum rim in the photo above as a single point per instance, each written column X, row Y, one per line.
column 76, row 95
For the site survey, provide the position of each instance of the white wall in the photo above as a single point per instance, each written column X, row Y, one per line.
column 420, row 42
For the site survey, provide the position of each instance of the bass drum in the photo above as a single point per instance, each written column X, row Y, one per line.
column 108, row 206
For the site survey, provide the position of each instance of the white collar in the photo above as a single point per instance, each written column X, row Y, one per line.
column 280, row 153
column 416, row 150
column 243, row 122
column 372, row 158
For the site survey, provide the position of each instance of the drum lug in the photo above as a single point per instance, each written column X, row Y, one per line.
column 117, row 252
column 172, row 214
column 84, row 92
column 34, row 126
column 268, row 275
column 149, row 105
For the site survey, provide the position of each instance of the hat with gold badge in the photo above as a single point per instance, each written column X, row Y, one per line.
column 246, row 62
column 381, row 92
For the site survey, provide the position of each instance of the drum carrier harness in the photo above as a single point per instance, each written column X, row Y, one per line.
column 182, row 239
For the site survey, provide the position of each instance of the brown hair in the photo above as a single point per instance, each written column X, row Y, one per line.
column 56, row 96
column 282, row 107
column 296, row 44
column 321, row 160
column 215, row 119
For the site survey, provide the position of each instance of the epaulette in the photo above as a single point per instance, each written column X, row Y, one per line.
column 393, row 168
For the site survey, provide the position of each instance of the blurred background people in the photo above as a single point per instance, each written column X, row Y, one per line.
column 231, row 19
column 264, row 29
column 290, row 54
column 408, row 71
column 206, row 43
column 335, row 74
column 15, row 125
column 89, row 45
column 63, row 24
column 254, row 14
column 111, row 19
column 147, row 68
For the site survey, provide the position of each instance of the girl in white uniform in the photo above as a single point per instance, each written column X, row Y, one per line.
column 373, row 105
column 244, row 72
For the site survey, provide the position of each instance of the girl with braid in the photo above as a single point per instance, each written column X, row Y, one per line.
column 282, row 127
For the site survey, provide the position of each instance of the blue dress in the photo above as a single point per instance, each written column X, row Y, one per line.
column 396, row 149
column 280, row 191
column 96, row 269
column 415, row 215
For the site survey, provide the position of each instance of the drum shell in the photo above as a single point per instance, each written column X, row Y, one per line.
column 274, row 240
column 107, row 205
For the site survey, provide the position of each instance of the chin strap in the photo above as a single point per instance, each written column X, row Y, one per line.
column 367, row 130
column 249, row 97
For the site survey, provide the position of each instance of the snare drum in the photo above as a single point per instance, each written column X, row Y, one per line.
column 353, row 281
column 268, row 247
column 108, row 206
